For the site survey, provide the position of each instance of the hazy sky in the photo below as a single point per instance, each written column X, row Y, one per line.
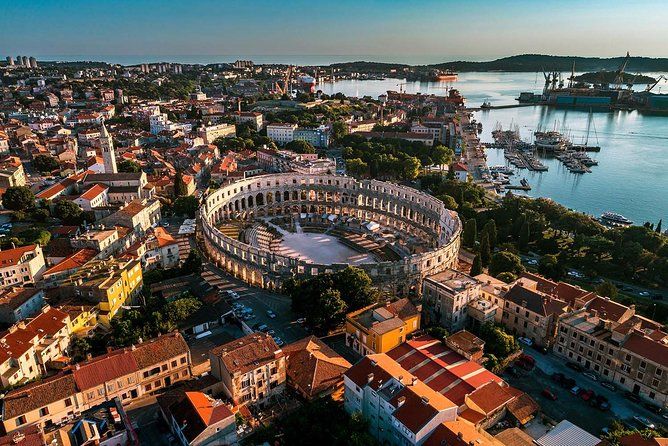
column 441, row 29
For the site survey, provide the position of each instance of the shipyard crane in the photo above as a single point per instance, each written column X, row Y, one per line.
column 571, row 79
column 619, row 75
column 401, row 86
column 650, row 87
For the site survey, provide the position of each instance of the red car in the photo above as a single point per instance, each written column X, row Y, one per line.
column 547, row 393
column 586, row 395
column 528, row 359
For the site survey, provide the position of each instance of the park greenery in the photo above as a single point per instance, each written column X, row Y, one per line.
column 129, row 166
column 45, row 163
column 575, row 240
column 386, row 158
column 321, row 422
column 618, row 430
column 326, row 298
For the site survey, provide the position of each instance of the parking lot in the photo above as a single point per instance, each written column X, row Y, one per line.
column 259, row 301
column 572, row 407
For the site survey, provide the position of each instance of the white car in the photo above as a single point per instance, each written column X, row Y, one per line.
column 233, row 294
column 525, row 341
column 271, row 314
column 301, row 320
column 644, row 421
column 591, row 375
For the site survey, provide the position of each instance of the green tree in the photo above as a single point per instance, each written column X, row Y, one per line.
column 79, row 349
column 339, row 130
column 504, row 261
column 476, row 267
column 438, row 332
column 45, row 163
column 552, row 267
column 180, row 189
column 525, row 235
column 658, row 226
column 470, row 233
column 69, row 212
column 449, row 201
column 186, row 206
column 607, row 289
column 331, row 310
column 507, row 277
column 192, row 264
column 355, row 287
column 485, row 251
column 299, row 146
column 357, row 168
column 490, row 229
column 18, row 198
column 411, row 168
column 497, row 341
column 129, row 166
column 179, row 310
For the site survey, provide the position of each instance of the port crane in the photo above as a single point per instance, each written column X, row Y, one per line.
column 650, row 87
column 619, row 75
column 401, row 86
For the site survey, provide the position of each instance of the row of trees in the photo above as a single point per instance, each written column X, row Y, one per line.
column 576, row 240
column 390, row 158
column 326, row 298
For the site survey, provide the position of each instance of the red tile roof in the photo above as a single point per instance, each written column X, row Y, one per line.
column 248, row 353
column 94, row 192
column 99, row 370
column 73, row 261
column 490, row 397
column 646, row 347
column 14, row 256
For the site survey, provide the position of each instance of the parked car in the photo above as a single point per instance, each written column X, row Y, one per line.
column 540, row 349
column 632, row 397
column 575, row 366
column 278, row 341
column 653, row 408
column 511, row 371
column 644, row 422
column 558, row 377
column 301, row 320
column 263, row 327
column 271, row 314
column 576, row 390
column 547, row 393
column 657, row 296
column 568, row 383
column 525, row 341
column 528, row 366
column 601, row 402
column 233, row 294
column 643, row 293
column 608, row 385
column 591, row 375
column 587, row 395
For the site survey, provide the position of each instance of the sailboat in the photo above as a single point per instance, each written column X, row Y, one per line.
column 585, row 147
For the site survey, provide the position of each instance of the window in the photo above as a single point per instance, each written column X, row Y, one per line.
column 20, row 421
column 643, row 364
column 183, row 360
column 68, row 402
column 641, row 375
column 44, row 411
column 174, row 363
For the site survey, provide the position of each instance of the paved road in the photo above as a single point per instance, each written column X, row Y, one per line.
column 284, row 324
column 621, row 407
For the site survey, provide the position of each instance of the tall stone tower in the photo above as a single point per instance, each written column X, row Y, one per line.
column 108, row 152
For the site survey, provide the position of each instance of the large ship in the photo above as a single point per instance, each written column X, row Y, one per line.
column 614, row 219
column 550, row 141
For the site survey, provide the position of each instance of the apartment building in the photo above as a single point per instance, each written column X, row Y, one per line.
column 424, row 393
column 250, row 369
column 379, row 328
column 255, row 119
column 12, row 174
column 445, row 297
column 532, row 314
column 20, row 266
column 317, row 137
column 281, row 132
column 196, row 419
column 123, row 186
column 17, row 303
column 109, row 284
column 102, row 240
column 620, row 346
column 126, row 374
column 212, row 132
column 157, row 249
column 94, row 197
column 138, row 215
column 28, row 347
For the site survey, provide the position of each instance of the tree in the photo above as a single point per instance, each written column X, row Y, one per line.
column 470, row 233
column 356, row 167
column 299, row 146
column 45, row 163
column 18, row 198
column 476, row 268
column 69, row 212
column 490, row 229
column 192, row 264
column 129, row 166
column 331, row 310
column 504, row 261
column 355, row 287
column 507, row 277
column 525, row 235
column 186, row 206
column 485, row 251
column 180, row 189
column 607, row 289
column 79, row 349
column 497, row 341
column 438, row 332
column 449, row 201
column 658, row 226
column 179, row 310
column 339, row 130
column 411, row 168
column 550, row 266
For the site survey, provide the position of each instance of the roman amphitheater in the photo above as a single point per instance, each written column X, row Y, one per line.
column 269, row 228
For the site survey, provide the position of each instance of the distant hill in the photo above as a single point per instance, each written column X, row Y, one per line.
column 523, row 62
column 608, row 77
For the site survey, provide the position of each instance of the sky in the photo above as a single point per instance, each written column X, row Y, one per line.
column 430, row 30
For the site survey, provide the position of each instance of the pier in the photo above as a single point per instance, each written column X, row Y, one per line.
column 499, row 107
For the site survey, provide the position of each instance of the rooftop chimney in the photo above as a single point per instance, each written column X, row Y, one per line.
column 369, row 377
column 413, row 380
